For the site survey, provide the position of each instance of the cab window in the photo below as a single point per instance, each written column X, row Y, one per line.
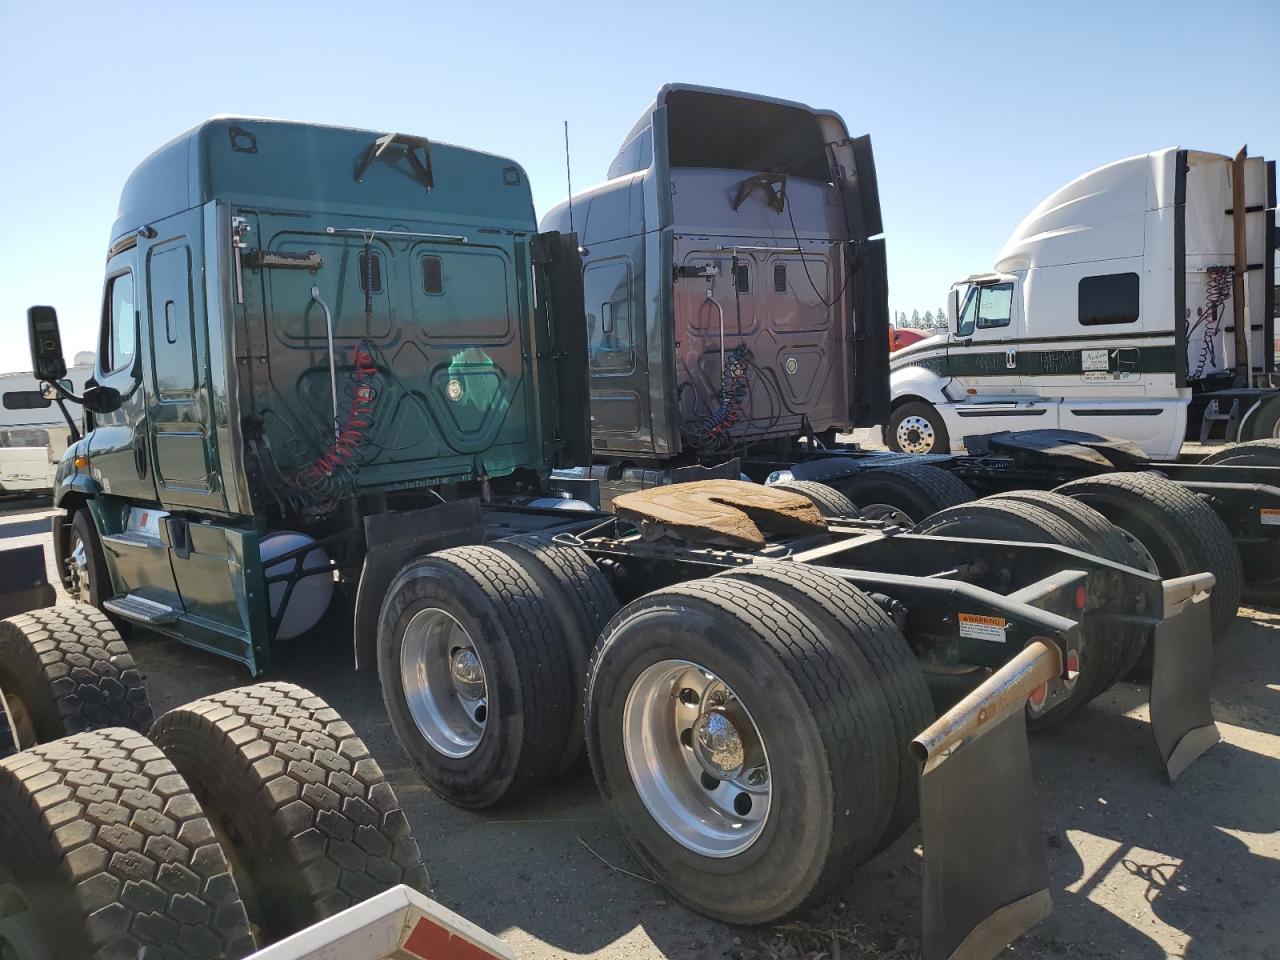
column 968, row 314
column 994, row 306
column 119, row 324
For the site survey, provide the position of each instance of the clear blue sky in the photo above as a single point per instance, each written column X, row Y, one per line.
column 977, row 110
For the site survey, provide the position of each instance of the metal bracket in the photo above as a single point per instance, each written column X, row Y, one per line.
column 409, row 148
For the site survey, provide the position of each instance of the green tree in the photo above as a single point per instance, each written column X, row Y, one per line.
column 928, row 318
column 915, row 318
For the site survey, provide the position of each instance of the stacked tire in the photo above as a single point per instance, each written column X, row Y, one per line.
column 240, row 819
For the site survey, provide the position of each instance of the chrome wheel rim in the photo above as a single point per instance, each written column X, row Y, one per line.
column 78, row 571
column 696, row 758
column 915, row 435
column 444, row 682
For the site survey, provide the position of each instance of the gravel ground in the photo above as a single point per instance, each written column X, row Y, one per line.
column 1138, row 868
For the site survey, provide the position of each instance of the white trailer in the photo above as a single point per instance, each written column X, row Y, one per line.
column 1132, row 303
column 33, row 432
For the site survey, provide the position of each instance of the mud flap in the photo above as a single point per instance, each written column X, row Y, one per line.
column 1181, row 715
column 986, row 873
column 23, row 583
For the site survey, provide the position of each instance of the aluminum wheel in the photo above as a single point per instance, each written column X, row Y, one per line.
column 444, row 683
column 77, row 561
column 696, row 758
column 915, row 434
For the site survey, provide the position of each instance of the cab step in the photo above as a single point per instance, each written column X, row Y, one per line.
column 140, row 609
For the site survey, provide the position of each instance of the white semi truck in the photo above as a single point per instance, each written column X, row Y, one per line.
column 1132, row 302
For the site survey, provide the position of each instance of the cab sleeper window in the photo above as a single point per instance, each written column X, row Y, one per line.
column 1110, row 298
column 119, row 324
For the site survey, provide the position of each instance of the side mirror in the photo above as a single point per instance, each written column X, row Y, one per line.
column 953, row 305
column 46, row 344
column 101, row 399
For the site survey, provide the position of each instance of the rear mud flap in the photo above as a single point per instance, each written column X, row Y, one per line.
column 986, row 873
column 1181, row 715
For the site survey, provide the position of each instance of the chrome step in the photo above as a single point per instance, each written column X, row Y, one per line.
column 131, row 539
column 140, row 609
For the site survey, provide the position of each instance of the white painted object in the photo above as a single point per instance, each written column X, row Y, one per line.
column 1028, row 350
column 398, row 924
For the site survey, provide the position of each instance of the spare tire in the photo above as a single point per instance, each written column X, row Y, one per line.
column 829, row 501
column 65, row 670
column 1179, row 531
column 307, row 818
column 107, row 854
column 905, row 493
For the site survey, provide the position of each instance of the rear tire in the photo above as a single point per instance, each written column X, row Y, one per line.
column 1121, row 651
column 847, row 614
column 306, row 817
column 917, row 427
column 65, row 670
column 904, row 493
column 107, row 854
column 1179, row 530
column 581, row 602
column 1027, row 523
column 494, row 620
column 829, row 501
column 804, row 696
column 1254, row 453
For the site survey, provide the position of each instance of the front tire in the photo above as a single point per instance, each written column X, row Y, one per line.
column 917, row 427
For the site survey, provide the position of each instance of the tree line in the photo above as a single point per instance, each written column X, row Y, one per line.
column 918, row 322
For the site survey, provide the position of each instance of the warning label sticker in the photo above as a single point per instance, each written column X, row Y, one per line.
column 1270, row 516
column 975, row 626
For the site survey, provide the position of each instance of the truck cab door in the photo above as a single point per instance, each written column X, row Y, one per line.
column 983, row 356
column 181, row 429
column 119, row 451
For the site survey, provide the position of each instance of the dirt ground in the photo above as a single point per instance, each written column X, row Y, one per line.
column 1138, row 868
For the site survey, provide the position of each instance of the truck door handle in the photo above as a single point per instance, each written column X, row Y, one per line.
column 140, row 455
column 1011, row 359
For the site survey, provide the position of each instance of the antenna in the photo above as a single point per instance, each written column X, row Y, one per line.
column 568, row 177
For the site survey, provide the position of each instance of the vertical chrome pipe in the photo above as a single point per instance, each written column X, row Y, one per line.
column 333, row 362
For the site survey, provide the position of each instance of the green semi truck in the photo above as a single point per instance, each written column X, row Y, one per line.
column 343, row 361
